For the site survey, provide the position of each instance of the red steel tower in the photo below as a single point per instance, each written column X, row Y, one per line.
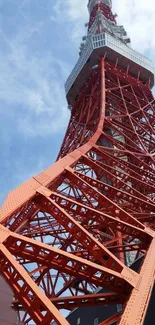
column 76, row 227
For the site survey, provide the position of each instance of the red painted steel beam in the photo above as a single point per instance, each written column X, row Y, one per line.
column 70, row 303
column 112, row 320
column 31, row 250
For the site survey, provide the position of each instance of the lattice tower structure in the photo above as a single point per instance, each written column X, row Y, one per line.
column 69, row 231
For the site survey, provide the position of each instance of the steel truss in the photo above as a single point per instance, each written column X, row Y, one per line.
column 68, row 231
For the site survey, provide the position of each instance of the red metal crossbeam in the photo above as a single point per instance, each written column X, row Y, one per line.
column 70, row 303
column 112, row 320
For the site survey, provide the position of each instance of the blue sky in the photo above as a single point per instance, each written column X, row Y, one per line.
column 39, row 43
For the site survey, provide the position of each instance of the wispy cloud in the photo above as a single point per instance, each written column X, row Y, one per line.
column 73, row 12
column 138, row 18
column 32, row 85
column 33, row 108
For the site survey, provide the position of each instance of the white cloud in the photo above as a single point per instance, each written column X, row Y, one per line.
column 31, row 87
column 138, row 19
column 73, row 11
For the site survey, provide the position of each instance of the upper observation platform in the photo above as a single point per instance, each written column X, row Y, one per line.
column 105, row 38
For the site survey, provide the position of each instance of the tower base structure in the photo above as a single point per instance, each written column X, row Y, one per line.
column 73, row 229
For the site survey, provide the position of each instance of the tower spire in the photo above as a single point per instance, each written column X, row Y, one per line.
column 92, row 3
column 104, row 7
column 102, row 20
